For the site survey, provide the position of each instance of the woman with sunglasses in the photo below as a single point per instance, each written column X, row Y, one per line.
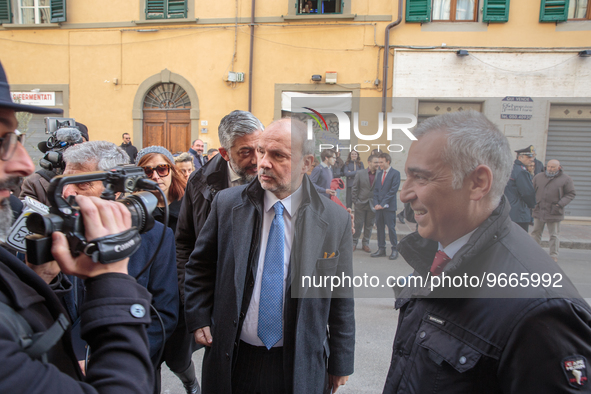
column 158, row 164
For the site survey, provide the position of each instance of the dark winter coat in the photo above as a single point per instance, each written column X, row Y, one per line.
column 130, row 150
column 202, row 187
column 121, row 362
column 552, row 195
column 220, row 281
column 520, row 193
column 500, row 339
column 159, row 279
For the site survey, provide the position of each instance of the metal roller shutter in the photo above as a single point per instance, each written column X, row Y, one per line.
column 569, row 141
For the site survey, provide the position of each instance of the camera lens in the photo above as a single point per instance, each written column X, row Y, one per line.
column 141, row 205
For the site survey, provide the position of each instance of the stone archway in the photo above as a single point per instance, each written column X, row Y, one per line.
column 165, row 76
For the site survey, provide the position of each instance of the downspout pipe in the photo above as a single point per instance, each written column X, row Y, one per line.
column 250, row 60
column 387, row 56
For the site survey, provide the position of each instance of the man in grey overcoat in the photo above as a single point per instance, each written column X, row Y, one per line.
column 305, row 342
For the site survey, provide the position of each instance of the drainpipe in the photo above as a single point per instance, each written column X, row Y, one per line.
column 251, row 56
column 387, row 56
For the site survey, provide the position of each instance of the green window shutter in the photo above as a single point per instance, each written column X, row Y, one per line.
column 177, row 8
column 553, row 10
column 418, row 10
column 57, row 10
column 5, row 12
column 495, row 11
column 155, row 9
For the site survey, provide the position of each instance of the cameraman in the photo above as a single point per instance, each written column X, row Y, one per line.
column 36, row 185
column 116, row 309
column 161, row 278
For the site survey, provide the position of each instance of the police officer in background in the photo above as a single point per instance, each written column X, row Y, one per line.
column 115, row 314
column 520, row 190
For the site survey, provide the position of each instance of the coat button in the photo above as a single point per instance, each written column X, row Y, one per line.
column 234, row 323
column 462, row 360
column 251, row 284
column 242, row 315
column 422, row 335
column 400, row 353
column 235, row 344
column 227, row 356
column 137, row 310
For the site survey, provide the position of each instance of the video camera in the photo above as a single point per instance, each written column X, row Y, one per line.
column 65, row 216
column 63, row 134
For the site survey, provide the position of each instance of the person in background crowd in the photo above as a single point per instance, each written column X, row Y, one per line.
column 337, row 167
column 184, row 164
column 384, row 200
column 158, row 164
column 322, row 174
column 36, row 185
column 538, row 165
column 520, row 190
column 238, row 133
column 197, row 151
column 531, row 168
column 554, row 191
column 350, row 168
column 211, row 152
column 362, row 196
column 129, row 148
column 159, row 279
column 492, row 338
column 259, row 338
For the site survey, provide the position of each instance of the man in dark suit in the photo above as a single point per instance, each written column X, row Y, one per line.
column 197, row 151
column 362, row 197
column 257, row 244
column 384, row 199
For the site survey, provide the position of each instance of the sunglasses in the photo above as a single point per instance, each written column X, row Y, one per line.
column 8, row 145
column 162, row 170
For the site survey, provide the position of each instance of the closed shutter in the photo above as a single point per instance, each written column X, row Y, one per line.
column 177, row 8
column 553, row 10
column 569, row 142
column 418, row 10
column 58, row 11
column 165, row 9
column 495, row 11
column 5, row 12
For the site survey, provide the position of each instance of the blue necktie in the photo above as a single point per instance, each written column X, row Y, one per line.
column 270, row 328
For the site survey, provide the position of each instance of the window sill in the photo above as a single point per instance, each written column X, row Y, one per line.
column 319, row 17
column 165, row 21
column 454, row 26
column 574, row 25
column 17, row 26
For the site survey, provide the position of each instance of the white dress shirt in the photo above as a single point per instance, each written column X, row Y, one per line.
column 291, row 203
column 233, row 178
column 456, row 245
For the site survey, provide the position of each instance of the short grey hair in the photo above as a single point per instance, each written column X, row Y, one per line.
column 105, row 154
column 237, row 124
column 184, row 157
column 472, row 140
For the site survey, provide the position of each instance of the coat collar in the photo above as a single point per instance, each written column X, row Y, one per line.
column 420, row 252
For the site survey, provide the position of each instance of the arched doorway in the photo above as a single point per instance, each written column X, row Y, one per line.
column 166, row 117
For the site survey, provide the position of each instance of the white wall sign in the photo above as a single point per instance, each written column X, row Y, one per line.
column 517, row 108
column 46, row 99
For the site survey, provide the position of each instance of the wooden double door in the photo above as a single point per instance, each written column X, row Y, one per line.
column 168, row 128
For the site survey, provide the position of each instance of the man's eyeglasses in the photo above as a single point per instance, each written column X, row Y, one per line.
column 162, row 170
column 8, row 145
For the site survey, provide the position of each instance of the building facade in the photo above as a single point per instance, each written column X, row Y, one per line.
column 166, row 71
